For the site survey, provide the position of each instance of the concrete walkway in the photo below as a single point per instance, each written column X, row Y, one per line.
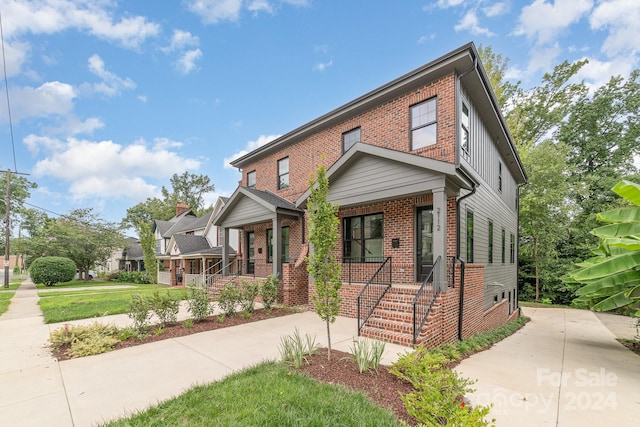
column 564, row 368
column 37, row 390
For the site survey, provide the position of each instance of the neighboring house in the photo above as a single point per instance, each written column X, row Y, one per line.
column 129, row 258
column 189, row 247
column 426, row 177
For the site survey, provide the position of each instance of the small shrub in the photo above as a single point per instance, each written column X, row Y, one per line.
column 140, row 313
column 246, row 314
column 220, row 318
column 269, row 291
column 294, row 350
column 86, row 340
column 367, row 353
column 165, row 307
column 198, row 303
column 126, row 333
column 228, row 299
column 188, row 323
column 51, row 270
column 137, row 277
column 437, row 399
column 249, row 292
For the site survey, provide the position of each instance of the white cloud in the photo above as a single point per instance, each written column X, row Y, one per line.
column 426, row 38
column 257, row 6
column 35, row 143
column 181, row 40
column 111, row 83
column 165, row 143
column 51, row 98
column 15, row 54
column 545, row 21
column 321, row 66
column 543, row 58
column 142, row 98
column 621, row 18
column 250, row 146
column 96, row 18
column 496, row 9
column 597, row 73
column 106, row 169
column 471, row 23
column 214, row 11
column 187, row 62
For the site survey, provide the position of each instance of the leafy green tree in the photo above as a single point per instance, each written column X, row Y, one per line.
column 82, row 236
column 602, row 133
column 322, row 264
column 496, row 67
column 186, row 188
column 148, row 243
column 20, row 188
column 52, row 270
column 611, row 279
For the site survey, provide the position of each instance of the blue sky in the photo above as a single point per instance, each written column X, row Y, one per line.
column 110, row 98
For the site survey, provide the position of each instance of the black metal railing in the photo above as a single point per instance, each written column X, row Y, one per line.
column 359, row 269
column 214, row 282
column 424, row 299
column 371, row 295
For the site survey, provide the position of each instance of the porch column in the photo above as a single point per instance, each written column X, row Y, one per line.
column 440, row 236
column 277, row 246
column 224, row 238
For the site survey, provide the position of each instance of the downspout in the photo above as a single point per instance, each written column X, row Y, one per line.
column 458, row 201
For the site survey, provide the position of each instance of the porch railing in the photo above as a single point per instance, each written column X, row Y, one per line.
column 360, row 269
column 424, row 300
column 214, row 282
column 164, row 278
column 371, row 295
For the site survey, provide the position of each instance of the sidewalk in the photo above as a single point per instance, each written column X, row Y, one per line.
column 564, row 368
column 38, row 391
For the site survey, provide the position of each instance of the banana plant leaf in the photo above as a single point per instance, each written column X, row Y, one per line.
column 607, row 267
column 629, row 190
column 617, row 230
column 634, row 293
column 619, row 282
column 628, row 243
column 620, row 215
column 614, row 301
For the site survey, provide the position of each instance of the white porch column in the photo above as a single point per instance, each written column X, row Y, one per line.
column 277, row 246
column 440, row 236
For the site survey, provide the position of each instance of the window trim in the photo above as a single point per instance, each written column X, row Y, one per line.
column 490, row 243
column 345, row 243
column 512, row 249
column 464, row 124
column 500, row 176
column 413, row 128
column 349, row 132
column 282, row 186
column 254, row 175
column 504, row 245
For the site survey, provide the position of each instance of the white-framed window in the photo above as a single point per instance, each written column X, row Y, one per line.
column 283, row 173
column 251, row 179
column 464, row 131
column 499, row 176
column 424, row 124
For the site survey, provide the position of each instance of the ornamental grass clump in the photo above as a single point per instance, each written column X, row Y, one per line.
column 294, row 349
column 367, row 353
column 85, row 340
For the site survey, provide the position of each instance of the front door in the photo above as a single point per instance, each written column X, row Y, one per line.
column 251, row 261
column 424, row 242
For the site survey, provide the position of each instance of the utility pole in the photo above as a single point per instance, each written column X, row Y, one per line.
column 7, row 229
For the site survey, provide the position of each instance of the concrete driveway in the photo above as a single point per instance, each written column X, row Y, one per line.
column 564, row 368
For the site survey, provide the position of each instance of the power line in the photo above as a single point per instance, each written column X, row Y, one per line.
column 6, row 87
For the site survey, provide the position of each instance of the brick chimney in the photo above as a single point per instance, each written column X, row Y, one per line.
column 181, row 208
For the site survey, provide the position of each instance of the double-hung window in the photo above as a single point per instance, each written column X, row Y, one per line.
column 424, row 125
column 350, row 138
column 251, row 179
column 499, row 176
column 504, row 243
column 512, row 249
column 464, row 124
column 490, row 241
column 363, row 237
column 469, row 236
column 283, row 173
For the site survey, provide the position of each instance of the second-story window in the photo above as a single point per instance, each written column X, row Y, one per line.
column 464, row 124
column 490, row 248
column 424, row 125
column 350, row 138
column 500, row 176
column 283, row 173
column 251, row 179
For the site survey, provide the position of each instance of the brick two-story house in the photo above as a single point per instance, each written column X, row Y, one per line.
column 426, row 176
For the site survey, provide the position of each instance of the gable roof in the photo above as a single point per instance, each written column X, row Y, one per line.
column 464, row 62
column 266, row 200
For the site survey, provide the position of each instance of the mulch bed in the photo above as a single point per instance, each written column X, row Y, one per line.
column 382, row 387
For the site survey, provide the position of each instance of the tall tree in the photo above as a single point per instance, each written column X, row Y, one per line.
column 84, row 237
column 20, row 188
column 322, row 264
column 496, row 67
column 186, row 188
column 148, row 243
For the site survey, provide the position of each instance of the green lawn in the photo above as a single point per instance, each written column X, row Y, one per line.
column 268, row 394
column 71, row 303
